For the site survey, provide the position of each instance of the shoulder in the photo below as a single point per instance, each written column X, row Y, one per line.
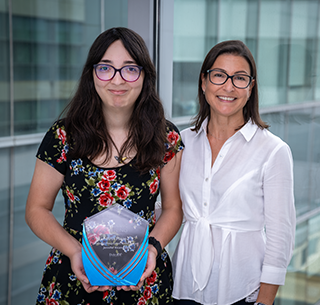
column 189, row 135
column 174, row 142
column 273, row 144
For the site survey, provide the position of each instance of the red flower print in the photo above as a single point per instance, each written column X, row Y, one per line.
column 154, row 186
column 147, row 293
column 110, row 175
column 152, row 278
column 62, row 135
column 168, row 156
column 100, row 229
column 49, row 260
column 106, row 199
column 105, row 294
column 112, row 270
column 142, row 301
column 158, row 172
column 63, row 157
column 104, row 185
column 51, row 302
column 70, row 195
column 51, row 289
column 173, row 138
column 92, row 239
column 123, row 192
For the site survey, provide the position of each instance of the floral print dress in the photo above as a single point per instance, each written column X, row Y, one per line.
column 88, row 189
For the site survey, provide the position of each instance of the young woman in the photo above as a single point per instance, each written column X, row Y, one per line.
column 113, row 146
column 236, row 185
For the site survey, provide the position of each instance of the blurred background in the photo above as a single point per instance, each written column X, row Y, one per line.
column 43, row 46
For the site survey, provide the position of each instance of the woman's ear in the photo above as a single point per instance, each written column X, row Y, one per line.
column 203, row 83
column 250, row 88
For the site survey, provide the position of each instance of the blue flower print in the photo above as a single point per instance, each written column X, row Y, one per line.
column 155, row 288
column 111, row 223
column 66, row 148
column 56, row 295
column 40, row 297
column 96, row 192
column 72, row 277
column 125, row 249
column 151, row 172
column 104, row 242
column 128, row 203
column 141, row 213
column 116, row 186
column 132, row 247
column 92, row 174
column 164, row 256
column 130, row 239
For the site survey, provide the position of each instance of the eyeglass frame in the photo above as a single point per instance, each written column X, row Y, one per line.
column 118, row 70
column 231, row 77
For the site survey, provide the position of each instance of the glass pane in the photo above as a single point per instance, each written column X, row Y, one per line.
column 50, row 44
column 29, row 252
column 4, row 71
column 4, row 223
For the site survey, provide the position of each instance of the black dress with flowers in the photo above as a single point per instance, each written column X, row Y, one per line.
column 88, row 189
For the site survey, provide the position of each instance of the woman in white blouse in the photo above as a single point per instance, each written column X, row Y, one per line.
column 236, row 185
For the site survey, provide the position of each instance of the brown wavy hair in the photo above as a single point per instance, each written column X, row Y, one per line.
column 251, row 109
column 84, row 121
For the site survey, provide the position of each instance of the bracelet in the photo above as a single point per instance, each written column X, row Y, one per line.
column 258, row 303
column 156, row 244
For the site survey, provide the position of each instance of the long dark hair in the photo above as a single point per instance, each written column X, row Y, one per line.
column 251, row 109
column 85, row 124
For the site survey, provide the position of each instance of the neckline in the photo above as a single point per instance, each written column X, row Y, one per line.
column 114, row 167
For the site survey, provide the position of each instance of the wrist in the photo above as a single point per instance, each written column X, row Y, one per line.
column 259, row 303
column 156, row 244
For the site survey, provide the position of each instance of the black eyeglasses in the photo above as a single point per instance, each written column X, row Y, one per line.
column 240, row 81
column 129, row 73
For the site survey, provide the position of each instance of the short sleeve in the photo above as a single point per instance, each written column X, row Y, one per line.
column 174, row 144
column 54, row 147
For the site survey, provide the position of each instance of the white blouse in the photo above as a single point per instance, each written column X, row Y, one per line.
column 239, row 216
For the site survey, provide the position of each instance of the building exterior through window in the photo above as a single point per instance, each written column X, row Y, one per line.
column 43, row 46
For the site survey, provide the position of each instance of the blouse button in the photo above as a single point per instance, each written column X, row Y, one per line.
column 207, row 179
column 205, row 204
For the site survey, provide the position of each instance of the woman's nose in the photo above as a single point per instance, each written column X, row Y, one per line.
column 117, row 79
column 229, row 85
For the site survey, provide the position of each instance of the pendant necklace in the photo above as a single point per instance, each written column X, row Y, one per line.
column 120, row 160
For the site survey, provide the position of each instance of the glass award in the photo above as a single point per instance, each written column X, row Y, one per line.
column 114, row 247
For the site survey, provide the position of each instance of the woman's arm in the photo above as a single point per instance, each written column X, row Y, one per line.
column 44, row 188
column 170, row 219
column 267, row 293
column 280, row 221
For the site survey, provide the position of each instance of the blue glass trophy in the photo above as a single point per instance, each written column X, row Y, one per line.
column 114, row 247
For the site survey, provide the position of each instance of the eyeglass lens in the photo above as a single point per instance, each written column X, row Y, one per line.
column 240, row 81
column 129, row 73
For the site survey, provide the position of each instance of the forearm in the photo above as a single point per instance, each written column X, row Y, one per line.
column 167, row 225
column 267, row 293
